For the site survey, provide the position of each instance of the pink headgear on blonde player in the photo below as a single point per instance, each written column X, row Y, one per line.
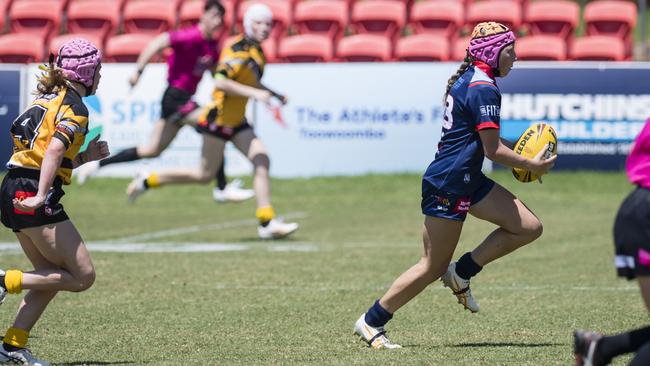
column 78, row 59
column 488, row 40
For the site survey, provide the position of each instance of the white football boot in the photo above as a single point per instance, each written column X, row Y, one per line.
column 136, row 187
column 276, row 229
column 233, row 192
column 460, row 287
column 375, row 337
column 85, row 171
column 21, row 357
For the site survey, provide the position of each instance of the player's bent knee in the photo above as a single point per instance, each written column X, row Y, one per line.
column 261, row 161
column 85, row 281
column 533, row 230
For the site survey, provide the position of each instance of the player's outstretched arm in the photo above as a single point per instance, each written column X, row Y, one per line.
column 154, row 47
column 498, row 152
column 232, row 87
column 281, row 97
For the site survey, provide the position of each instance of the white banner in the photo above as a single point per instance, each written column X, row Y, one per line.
column 342, row 119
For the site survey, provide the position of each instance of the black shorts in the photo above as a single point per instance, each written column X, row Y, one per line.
column 23, row 183
column 208, row 125
column 632, row 235
column 176, row 104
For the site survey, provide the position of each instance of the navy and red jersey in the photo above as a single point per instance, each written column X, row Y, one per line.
column 473, row 104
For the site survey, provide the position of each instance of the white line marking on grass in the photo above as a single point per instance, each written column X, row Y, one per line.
column 224, row 286
column 196, row 229
column 184, row 247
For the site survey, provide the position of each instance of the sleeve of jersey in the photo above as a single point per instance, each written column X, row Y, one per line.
column 229, row 65
column 68, row 125
column 486, row 107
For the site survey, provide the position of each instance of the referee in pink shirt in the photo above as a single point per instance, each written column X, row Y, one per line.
column 194, row 50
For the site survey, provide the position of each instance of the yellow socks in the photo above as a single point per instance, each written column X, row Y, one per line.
column 16, row 337
column 13, row 281
column 265, row 214
column 152, row 181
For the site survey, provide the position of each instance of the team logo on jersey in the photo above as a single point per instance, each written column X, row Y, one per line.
column 490, row 110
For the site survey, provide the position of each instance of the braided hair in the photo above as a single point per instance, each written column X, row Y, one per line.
column 461, row 70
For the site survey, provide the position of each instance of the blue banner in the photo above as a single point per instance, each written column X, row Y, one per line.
column 597, row 112
column 9, row 109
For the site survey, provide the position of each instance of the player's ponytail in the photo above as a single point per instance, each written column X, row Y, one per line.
column 461, row 70
column 51, row 80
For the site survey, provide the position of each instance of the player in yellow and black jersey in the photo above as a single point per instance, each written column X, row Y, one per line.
column 47, row 138
column 61, row 115
column 237, row 80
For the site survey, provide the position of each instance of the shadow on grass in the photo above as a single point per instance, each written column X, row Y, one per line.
column 507, row 344
column 93, row 363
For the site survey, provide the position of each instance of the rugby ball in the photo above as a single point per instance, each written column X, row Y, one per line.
column 530, row 143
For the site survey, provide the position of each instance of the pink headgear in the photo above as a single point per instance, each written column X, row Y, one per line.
column 78, row 58
column 488, row 48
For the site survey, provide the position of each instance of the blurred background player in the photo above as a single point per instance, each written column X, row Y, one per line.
column 632, row 245
column 454, row 185
column 47, row 137
column 194, row 50
column 237, row 80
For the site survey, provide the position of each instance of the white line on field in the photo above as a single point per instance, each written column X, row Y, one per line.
column 195, row 229
column 184, row 247
column 224, row 286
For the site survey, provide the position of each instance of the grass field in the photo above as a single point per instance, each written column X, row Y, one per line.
column 295, row 301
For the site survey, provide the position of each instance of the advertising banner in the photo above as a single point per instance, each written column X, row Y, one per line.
column 9, row 109
column 346, row 119
column 341, row 119
column 597, row 109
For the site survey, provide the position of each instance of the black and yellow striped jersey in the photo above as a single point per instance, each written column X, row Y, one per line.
column 62, row 115
column 242, row 61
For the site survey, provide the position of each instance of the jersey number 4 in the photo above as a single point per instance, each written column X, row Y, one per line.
column 448, row 119
column 25, row 127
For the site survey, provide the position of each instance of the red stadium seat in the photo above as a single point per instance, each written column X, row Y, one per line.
column 21, row 48
column 422, row 47
column 507, row 12
column 4, row 6
column 598, row 48
column 611, row 18
column 364, row 48
column 97, row 17
column 281, row 15
column 541, row 48
column 306, row 48
column 557, row 17
column 126, row 47
column 440, row 17
column 380, row 17
column 270, row 48
column 58, row 41
column 459, row 48
column 149, row 16
column 118, row 3
column 191, row 11
column 40, row 17
column 324, row 17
